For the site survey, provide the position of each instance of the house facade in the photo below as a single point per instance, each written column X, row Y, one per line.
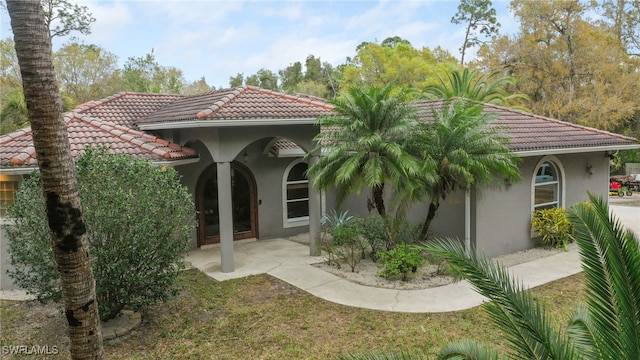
column 241, row 151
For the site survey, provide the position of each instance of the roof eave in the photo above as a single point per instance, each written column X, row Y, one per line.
column 226, row 123
column 17, row 170
column 585, row 149
column 173, row 163
column 29, row 170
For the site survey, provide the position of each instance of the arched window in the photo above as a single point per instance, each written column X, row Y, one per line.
column 547, row 185
column 296, row 195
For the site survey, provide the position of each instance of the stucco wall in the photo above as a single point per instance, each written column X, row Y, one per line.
column 502, row 216
column 449, row 220
column 5, row 281
column 232, row 144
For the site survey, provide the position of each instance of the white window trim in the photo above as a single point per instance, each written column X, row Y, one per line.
column 561, row 180
column 561, row 188
column 294, row 222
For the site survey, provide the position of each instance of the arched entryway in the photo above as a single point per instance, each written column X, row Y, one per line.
column 243, row 196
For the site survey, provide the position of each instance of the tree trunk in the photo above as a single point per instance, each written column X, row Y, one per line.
column 378, row 200
column 433, row 208
column 60, row 189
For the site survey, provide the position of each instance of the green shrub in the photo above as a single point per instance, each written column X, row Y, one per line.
column 375, row 234
column 342, row 240
column 553, row 226
column 403, row 260
column 374, row 231
column 139, row 219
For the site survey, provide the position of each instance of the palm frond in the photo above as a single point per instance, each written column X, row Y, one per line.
column 581, row 333
column 467, row 350
column 611, row 263
column 526, row 325
column 383, row 356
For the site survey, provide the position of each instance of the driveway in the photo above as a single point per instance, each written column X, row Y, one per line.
column 627, row 210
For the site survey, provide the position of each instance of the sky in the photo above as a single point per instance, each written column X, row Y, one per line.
column 218, row 39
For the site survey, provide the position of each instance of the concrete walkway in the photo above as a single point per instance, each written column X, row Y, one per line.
column 290, row 261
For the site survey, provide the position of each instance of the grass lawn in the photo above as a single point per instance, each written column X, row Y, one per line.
column 261, row 317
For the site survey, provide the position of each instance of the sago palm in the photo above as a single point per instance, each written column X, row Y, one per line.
column 361, row 145
column 464, row 149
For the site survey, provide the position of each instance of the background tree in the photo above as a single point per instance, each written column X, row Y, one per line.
column 267, row 79
column 291, row 76
column 59, row 185
column 460, row 149
column 144, row 74
column 86, row 72
column 394, row 41
column 197, row 87
column 310, row 87
column 479, row 16
column 400, row 65
column 363, row 146
column 62, row 17
column 135, row 262
column 9, row 69
column 236, row 80
column 569, row 68
column 623, row 18
column 13, row 109
column 14, row 114
column 264, row 78
column 313, row 68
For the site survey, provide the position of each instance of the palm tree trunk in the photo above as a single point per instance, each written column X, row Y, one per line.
column 433, row 208
column 378, row 200
column 60, row 188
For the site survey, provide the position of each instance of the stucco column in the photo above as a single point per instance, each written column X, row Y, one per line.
column 467, row 221
column 225, row 211
column 315, row 248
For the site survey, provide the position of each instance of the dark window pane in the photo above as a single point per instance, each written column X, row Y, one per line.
column 298, row 172
column 298, row 191
column 297, row 209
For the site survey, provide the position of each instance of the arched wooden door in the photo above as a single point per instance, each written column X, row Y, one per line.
column 243, row 187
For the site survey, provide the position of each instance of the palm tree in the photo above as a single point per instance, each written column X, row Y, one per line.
column 464, row 149
column 60, row 188
column 362, row 146
column 471, row 84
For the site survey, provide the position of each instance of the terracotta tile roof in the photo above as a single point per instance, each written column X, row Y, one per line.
column 127, row 107
column 18, row 150
column 282, row 147
column 240, row 103
column 529, row 132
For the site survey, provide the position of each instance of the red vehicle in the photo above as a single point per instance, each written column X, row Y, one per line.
column 614, row 185
column 616, row 188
